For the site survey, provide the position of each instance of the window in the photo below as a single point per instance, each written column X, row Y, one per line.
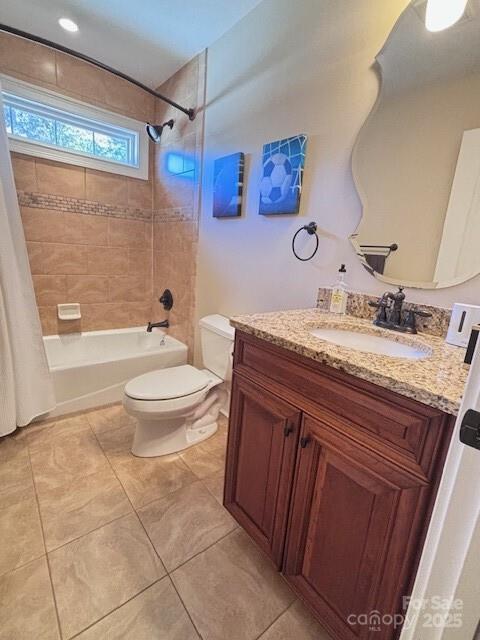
column 47, row 125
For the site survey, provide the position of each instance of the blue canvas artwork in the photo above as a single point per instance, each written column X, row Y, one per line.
column 228, row 186
column 281, row 185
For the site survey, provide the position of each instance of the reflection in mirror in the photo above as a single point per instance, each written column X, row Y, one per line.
column 417, row 159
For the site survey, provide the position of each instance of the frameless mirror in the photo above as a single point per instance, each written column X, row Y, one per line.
column 416, row 161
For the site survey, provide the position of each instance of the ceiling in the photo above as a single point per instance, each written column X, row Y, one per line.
column 147, row 39
column 413, row 57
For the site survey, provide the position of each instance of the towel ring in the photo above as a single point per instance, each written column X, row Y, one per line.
column 311, row 229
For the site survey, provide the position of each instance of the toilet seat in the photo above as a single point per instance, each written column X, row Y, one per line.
column 148, row 409
column 168, row 384
column 145, row 409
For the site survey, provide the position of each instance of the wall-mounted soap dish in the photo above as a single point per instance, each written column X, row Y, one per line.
column 69, row 311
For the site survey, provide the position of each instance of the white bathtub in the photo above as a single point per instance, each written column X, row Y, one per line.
column 91, row 369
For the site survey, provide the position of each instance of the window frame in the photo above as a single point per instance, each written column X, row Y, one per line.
column 48, row 98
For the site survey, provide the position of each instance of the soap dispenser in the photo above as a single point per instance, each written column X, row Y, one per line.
column 338, row 301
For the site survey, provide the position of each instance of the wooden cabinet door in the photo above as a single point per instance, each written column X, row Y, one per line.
column 354, row 533
column 261, row 454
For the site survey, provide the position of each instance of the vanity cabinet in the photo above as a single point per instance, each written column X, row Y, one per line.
column 335, row 479
column 263, row 448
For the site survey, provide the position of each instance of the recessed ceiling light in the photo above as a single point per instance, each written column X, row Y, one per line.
column 68, row 25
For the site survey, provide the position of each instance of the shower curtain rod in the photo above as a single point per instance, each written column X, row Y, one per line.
column 48, row 43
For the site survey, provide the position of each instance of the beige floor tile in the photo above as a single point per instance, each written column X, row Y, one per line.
column 116, row 443
column 27, row 610
column 109, row 418
column 222, row 427
column 201, row 462
column 12, row 447
column 157, row 613
column 20, row 535
column 215, row 485
column 231, row 590
column 217, row 444
column 16, row 483
column 222, row 422
column 99, row 572
column 60, row 461
column 149, row 479
column 72, row 510
column 184, row 523
column 41, row 433
column 297, row 622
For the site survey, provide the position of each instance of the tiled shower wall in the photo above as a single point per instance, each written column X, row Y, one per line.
column 90, row 233
column 178, row 162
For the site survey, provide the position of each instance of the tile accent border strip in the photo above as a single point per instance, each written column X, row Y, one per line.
column 77, row 205
column 93, row 208
column 177, row 214
column 357, row 306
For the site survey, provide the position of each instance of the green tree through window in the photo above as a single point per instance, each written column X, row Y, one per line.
column 46, row 125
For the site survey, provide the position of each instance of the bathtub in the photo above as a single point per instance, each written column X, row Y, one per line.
column 90, row 369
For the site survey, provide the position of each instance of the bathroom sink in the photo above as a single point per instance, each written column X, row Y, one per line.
column 371, row 344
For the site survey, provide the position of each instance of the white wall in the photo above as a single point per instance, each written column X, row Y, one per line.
column 288, row 68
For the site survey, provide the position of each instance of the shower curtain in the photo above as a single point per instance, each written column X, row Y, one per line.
column 26, row 389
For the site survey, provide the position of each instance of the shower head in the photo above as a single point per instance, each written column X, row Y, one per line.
column 154, row 131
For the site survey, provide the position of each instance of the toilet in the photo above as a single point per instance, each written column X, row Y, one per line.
column 178, row 407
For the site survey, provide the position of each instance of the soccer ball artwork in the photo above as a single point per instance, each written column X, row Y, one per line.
column 282, row 174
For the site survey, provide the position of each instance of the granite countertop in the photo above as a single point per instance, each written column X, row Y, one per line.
column 438, row 380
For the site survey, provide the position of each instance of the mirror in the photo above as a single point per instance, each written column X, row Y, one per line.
column 416, row 161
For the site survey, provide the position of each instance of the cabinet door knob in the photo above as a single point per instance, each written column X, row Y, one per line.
column 304, row 441
column 288, row 430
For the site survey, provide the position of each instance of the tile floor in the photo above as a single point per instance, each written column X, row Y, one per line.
column 97, row 544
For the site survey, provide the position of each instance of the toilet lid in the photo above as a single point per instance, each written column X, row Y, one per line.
column 165, row 384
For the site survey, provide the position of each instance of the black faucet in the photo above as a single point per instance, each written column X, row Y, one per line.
column 396, row 312
column 166, row 299
column 382, row 306
column 391, row 315
column 152, row 325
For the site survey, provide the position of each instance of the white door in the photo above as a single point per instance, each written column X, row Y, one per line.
column 445, row 601
column 468, row 592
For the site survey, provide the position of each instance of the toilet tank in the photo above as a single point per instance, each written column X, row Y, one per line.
column 217, row 337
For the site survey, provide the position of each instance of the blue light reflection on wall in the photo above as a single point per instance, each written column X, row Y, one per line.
column 180, row 165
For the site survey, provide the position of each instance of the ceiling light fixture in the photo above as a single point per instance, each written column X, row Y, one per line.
column 68, row 25
column 442, row 14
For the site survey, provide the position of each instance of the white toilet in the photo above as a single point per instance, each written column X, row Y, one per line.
column 178, row 407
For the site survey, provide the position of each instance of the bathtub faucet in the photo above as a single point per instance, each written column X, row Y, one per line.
column 151, row 325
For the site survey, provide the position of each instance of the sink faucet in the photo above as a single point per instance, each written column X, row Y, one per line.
column 396, row 312
column 392, row 315
column 382, row 305
column 152, row 325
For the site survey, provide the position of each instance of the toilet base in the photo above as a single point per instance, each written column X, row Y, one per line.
column 170, row 426
column 151, row 441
